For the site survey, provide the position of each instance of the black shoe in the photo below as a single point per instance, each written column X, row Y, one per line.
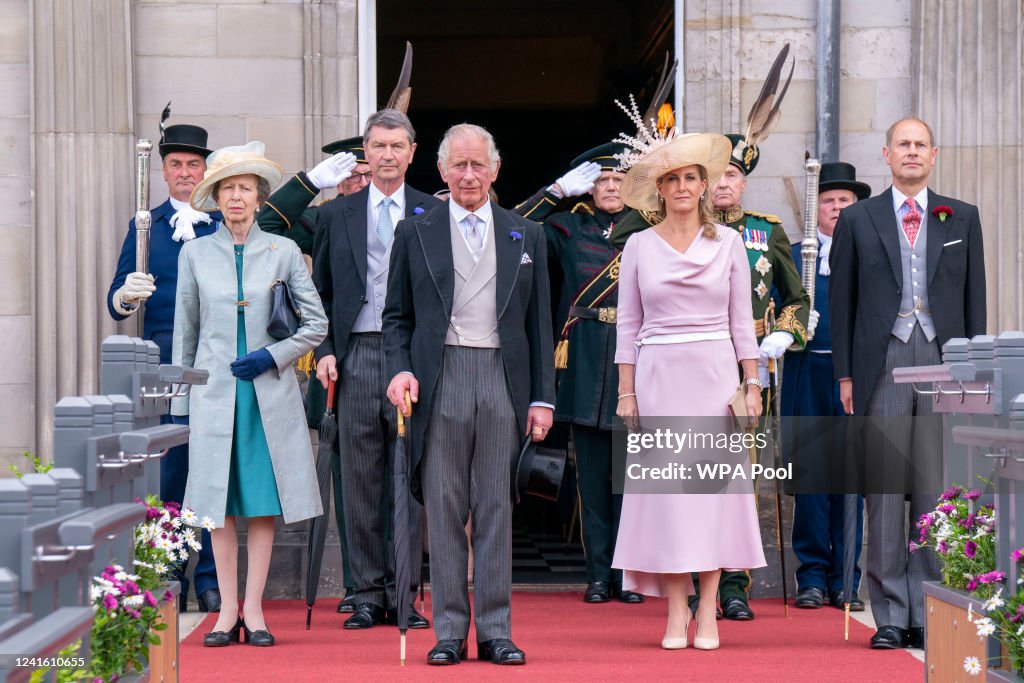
column 810, row 597
column 366, row 615
column 890, row 638
column 209, row 601
column 223, row 638
column 856, row 604
column 737, row 609
column 628, row 597
column 500, row 651
column 260, row 638
column 915, row 637
column 597, row 591
column 447, row 652
column 182, row 602
column 348, row 603
column 416, row 620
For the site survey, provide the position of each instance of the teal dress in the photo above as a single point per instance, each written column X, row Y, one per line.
column 252, row 489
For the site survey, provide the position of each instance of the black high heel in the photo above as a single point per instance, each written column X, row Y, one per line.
column 260, row 638
column 224, row 638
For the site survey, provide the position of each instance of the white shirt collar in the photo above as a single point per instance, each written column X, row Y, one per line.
column 398, row 197
column 898, row 198
column 459, row 213
column 824, row 239
column 178, row 205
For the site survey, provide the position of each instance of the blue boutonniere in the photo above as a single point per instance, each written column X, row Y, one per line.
column 515, row 235
column 417, row 211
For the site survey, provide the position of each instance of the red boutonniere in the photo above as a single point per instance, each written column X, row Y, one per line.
column 942, row 213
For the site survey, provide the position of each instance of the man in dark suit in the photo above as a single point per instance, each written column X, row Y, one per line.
column 908, row 274
column 351, row 254
column 467, row 331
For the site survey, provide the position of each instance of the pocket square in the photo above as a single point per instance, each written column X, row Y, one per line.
column 525, row 260
column 949, row 244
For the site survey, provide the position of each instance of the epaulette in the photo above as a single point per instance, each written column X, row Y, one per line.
column 770, row 217
column 582, row 207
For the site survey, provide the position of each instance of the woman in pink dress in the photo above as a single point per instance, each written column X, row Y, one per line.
column 684, row 322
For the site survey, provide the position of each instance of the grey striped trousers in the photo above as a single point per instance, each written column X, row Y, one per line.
column 895, row 576
column 367, row 424
column 467, row 460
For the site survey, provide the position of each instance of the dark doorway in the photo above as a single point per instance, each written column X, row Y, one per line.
column 543, row 77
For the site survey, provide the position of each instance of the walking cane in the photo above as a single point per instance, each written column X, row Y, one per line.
column 776, row 405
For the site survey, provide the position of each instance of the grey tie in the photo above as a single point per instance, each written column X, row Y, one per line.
column 473, row 234
column 385, row 228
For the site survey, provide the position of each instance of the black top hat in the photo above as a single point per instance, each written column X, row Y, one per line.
column 744, row 156
column 537, row 471
column 603, row 156
column 184, row 138
column 352, row 145
column 839, row 175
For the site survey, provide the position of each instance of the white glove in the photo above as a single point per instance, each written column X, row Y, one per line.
column 330, row 172
column 775, row 344
column 762, row 373
column 812, row 322
column 136, row 287
column 579, row 180
column 183, row 221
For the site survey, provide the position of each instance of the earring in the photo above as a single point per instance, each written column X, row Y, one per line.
column 702, row 196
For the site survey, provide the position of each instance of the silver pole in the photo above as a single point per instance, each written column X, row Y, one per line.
column 827, row 77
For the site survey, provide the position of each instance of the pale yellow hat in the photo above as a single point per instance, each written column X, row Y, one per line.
column 640, row 188
column 231, row 161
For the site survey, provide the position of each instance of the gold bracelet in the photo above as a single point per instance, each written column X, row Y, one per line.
column 622, row 396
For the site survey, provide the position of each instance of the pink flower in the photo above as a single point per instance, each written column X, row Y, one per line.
column 952, row 493
column 1017, row 555
column 991, row 577
column 972, row 495
column 972, row 585
column 168, row 596
column 946, row 508
column 150, row 600
column 943, row 547
column 926, row 521
column 970, row 549
column 109, row 602
column 134, row 614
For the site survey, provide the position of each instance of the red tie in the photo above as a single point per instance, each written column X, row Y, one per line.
column 911, row 221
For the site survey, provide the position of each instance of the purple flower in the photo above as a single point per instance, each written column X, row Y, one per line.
column 1017, row 555
column 952, row 493
column 926, row 521
column 134, row 614
column 972, row 495
column 943, row 547
column 417, row 211
column 972, row 585
column 991, row 577
column 970, row 549
column 168, row 596
column 515, row 235
column 109, row 602
column 150, row 600
column 946, row 508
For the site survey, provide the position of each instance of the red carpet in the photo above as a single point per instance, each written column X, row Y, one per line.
column 564, row 639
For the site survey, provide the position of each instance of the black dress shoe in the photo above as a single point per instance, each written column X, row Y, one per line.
column 366, row 615
column 856, row 604
column 810, row 597
column 348, row 603
column 915, row 637
column 182, row 602
column 260, row 638
column 737, row 609
column 890, row 638
column 447, row 652
column 209, row 601
column 223, row 638
column 416, row 620
column 500, row 651
column 628, row 597
column 597, row 591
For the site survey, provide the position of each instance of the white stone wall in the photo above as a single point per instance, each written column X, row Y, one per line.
column 18, row 356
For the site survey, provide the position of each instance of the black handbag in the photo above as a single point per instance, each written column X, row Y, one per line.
column 284, row 316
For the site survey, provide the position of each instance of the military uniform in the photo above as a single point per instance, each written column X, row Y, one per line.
column 583, row 266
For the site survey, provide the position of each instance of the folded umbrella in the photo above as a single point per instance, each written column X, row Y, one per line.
column 403, row 555
column 318, row 527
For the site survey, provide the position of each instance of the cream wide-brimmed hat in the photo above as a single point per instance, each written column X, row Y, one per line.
column 231, row 161
column 640, row 188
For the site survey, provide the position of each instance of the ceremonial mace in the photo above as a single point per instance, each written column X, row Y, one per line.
column 143, row 219
column 809, row 244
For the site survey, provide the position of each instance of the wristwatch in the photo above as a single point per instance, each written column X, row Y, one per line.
column 754, row 380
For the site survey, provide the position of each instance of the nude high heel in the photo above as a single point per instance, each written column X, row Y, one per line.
column 704, row 643
column 676, row 643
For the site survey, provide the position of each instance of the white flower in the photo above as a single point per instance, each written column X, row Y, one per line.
column 983, row 531
column 121, row 576
column 189, row 517
column 176, row 523
column 994, row 602
column 95, row 593
column 140, row 563
column 972, row 665
column 1020, row 630
column 164, row 544
column 133, row 601
column 160, row 568
column 207, row 524
column 985, row 627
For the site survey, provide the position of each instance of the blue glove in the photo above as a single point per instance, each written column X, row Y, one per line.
column 251, row 366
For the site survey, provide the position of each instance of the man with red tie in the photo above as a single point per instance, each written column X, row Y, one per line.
column 908, row 274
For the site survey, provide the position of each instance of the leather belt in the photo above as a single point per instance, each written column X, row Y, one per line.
column 605, row 314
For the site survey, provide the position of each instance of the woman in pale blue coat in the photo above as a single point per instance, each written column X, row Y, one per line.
column 249, row 449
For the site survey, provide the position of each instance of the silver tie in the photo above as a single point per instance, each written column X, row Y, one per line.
column 385, row 228
column 473, row 235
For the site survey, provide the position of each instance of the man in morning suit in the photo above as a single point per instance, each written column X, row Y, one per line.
column 183, row 155
column 908, row 274
column 467, row 331
column 351, row 256
column 811, row 392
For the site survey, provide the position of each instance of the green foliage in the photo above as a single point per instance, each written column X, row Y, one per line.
column 38, row 465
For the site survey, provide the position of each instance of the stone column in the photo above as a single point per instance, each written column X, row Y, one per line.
column 82, row 144
column 967, row 69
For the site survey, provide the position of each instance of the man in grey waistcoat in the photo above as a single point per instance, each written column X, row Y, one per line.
column 351, row 253
column 908, row 274
column 467, row 331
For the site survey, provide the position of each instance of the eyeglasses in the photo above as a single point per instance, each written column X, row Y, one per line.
column 360, row 177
